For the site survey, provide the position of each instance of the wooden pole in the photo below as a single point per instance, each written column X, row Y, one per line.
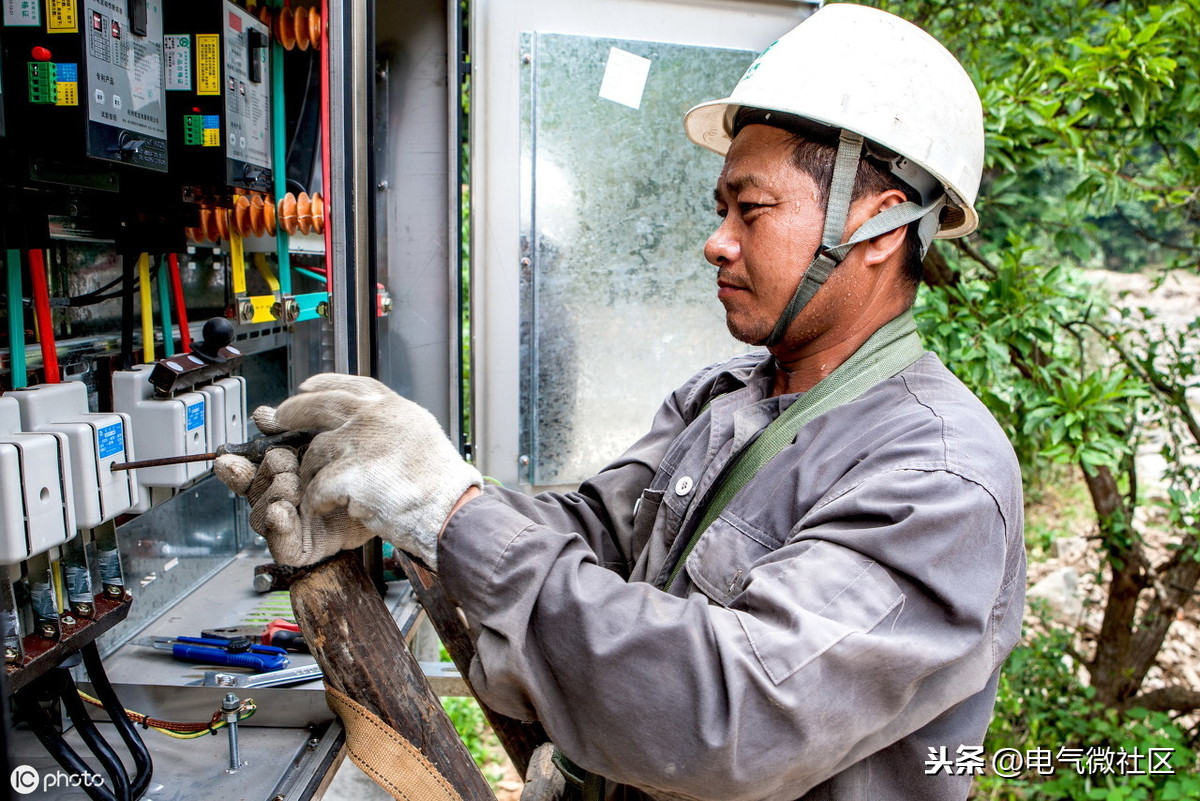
column 519, row 739
column 359, row 647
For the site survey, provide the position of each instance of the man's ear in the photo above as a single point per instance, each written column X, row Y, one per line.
column 883, row 247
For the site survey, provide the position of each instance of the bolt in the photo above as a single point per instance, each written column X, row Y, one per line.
column 527, row 58
column 67, row 620
column 11, row 654
column 230, row 707
column 49, row 630
column 323, row 309
column 114, row 590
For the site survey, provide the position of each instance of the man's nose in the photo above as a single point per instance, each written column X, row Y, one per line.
column 722, row 246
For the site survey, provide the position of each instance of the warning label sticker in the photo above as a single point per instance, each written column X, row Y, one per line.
column 61, row 17
column 208, row 64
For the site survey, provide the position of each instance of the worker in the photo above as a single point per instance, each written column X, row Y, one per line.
column 802, row 581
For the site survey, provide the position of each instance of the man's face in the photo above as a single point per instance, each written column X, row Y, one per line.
column 770, row 229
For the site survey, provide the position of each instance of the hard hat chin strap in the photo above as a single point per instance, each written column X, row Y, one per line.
column 831, row 252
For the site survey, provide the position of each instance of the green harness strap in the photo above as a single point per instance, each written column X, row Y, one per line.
column 892, row 348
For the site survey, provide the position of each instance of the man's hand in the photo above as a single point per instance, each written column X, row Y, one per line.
column 380, row 466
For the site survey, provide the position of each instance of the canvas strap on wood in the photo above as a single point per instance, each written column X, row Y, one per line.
column 393, row 762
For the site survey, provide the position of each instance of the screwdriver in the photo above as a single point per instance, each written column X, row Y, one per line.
column 254, row 450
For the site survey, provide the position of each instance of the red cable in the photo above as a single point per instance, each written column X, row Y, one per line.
column 326, row 146
column 41, row 309
column 185, row 336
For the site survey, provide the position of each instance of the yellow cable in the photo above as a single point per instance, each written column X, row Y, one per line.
column 237, row 258
column 260, row 263
column 247, row 710
column 147, row 307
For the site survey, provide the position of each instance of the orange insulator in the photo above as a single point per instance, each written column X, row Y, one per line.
column 269, row 216
column 222, row 215
column 241, row 216
column 287, row 214
column 285, row 28
column 318, row 213
column 264, row 15
column 314, row 28
column 208, row 224
column 194, row 234
column 300, row 24
column 258, row 221
column 304, row 212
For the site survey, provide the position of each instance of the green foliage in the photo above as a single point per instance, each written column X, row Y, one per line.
column 1042, row 706
column 1093, row 160
column 476, row 734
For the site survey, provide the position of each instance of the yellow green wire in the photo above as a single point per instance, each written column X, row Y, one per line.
column 248, row 709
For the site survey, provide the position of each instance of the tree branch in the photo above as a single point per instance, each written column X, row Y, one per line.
column 1166, row 699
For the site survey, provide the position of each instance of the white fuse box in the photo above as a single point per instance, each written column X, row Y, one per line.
column 226, row 399
column 162, row 428
column 36, row 508
column 97, row 442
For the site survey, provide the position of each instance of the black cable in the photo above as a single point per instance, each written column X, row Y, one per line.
column 91, row 736
column 38, row 718
column 128, row 270
column 142, row 761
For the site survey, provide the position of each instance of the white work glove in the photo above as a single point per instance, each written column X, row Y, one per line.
column 381, row 466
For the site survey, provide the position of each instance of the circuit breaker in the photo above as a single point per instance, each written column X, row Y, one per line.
column 163, row 427
column 36, row 508
column 96, row 441
column 92, row 66
column 218, row 95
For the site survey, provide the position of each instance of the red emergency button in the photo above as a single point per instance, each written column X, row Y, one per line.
column 41, row 54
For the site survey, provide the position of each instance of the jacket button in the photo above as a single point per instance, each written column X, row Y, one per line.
column 683, row 486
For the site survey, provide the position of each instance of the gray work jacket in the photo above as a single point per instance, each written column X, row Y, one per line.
column 847, row 612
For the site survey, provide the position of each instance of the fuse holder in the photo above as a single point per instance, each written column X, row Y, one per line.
column 36, row 509
column 162, row 428
column 226, row 398
column 96, row 441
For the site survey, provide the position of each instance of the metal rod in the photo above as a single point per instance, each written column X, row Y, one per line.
column 169, row 460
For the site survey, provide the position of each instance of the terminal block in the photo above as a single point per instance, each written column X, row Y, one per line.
column 37, row 512
column 96, row 441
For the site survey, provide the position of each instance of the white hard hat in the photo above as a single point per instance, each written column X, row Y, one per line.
column 866, row 71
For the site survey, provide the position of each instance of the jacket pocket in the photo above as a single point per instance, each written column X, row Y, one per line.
column 721, row 562
column 799, row 607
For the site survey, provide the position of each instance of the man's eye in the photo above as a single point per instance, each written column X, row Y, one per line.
column 722, row 212
column 750, row 208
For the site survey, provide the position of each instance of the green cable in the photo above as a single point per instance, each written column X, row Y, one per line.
column 164, row 307
column 16, row 322
column 279, row 158
column 312, row 275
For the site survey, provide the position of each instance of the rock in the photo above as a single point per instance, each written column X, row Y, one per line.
column 1070, row 550
column 1059, row 592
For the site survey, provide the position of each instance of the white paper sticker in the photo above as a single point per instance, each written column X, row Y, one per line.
column 625, row 78
column 177, row 56
column 22, row 13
